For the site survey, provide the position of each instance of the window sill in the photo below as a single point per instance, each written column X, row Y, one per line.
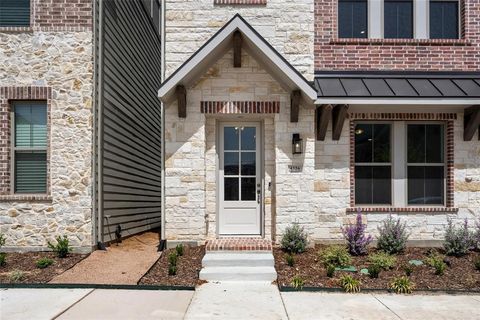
column 25, row 197
column 407, row 42
column 16, row 29
column 406, row 209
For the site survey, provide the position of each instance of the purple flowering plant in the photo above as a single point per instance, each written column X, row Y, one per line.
column 458, row 240
column 392, row 235
column 357, row 240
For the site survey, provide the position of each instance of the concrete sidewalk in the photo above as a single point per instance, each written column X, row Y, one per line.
column 241, row 300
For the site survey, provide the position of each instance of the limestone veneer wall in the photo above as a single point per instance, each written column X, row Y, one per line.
column 63, row 61
column 287, row 25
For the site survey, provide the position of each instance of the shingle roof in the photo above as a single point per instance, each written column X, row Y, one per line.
column 397, row 85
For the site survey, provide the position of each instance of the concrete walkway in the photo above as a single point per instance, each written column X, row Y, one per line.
column 241, row 300
column 122, row 264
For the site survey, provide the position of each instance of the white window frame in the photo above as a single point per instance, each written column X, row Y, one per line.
column 399, row 164
column 385, row 164
column 459, row 18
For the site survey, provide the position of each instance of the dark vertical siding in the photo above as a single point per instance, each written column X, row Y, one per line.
column 130, row 150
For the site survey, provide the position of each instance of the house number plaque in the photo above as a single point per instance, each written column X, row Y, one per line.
column 295, row 168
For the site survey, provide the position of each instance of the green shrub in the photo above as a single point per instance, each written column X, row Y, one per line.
column 173, row 258
column 392, row 236
column 3, row 259
column 3, row 239
column 477, row 264
column 294, row 239
column 408, row 270
column 337, row 256
column 43, row 263
column 179, row 249
column 16, row 275
column 297, row 282
column 374, row 270
column 382, row 260
column 172, row 270
column 435, row 260
column 290, row 260
column 350, row 284
column 458, row 240
column 402, row 285
column 62, row 248
column 330, row 270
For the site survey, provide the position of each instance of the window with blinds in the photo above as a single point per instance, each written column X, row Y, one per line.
column 14, row 13
column 30, row 147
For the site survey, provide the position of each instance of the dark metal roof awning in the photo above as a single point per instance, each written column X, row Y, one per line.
column 374, row 85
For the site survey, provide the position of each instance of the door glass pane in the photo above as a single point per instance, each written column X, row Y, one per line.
column 416, row 143
column 248, row 163
column 248, row 189
column 231, row 163
column 230, row 138
column 363, row 142
column 434, row 148
column 231, row 189
column 381, row 143
column 249, row 138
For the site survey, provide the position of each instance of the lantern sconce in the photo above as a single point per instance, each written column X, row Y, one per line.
column 297, row 145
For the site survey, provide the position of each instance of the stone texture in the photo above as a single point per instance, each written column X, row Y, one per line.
column 62, row 61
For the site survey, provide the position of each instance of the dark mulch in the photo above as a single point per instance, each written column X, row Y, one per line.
column 461, row 275
column 25, row 262
column 188, row 268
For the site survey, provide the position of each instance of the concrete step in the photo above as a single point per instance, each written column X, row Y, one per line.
column 238, row 274
column 238, row 259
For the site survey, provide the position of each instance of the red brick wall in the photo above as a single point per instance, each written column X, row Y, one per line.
column 62, row 13
column 332, row 53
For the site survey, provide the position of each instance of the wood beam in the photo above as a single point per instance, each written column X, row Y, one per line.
column 181, row 93
column 237, row 49
column 322, row 117
column 295, row 105
column 339, row 113
column 471, row 122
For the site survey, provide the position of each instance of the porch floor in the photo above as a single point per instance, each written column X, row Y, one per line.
column 239, row 244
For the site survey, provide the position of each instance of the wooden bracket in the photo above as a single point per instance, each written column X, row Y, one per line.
column 471, row 122
column 322, row 117
column 181, row 93
column 295, row 105
column 339, row 113
column 237, row 49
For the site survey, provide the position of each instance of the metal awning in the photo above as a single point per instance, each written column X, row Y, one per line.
column 396, row 87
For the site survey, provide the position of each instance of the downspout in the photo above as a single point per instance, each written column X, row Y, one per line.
column 162, row 131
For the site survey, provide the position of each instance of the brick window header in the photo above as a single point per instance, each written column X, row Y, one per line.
column 240, row 2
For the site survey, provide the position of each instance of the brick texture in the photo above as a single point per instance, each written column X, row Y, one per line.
column 63, row 13
column 239, row 244
column 332, row 53
column 241, row 2
column 237, row 107
column 7, row 96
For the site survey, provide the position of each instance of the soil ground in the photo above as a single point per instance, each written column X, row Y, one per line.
column 188, row 268
column 460, row 275
column 25, row 262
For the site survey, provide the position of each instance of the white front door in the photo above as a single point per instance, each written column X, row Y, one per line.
column 239, row 176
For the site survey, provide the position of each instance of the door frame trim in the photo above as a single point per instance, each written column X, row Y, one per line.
column 218, row 126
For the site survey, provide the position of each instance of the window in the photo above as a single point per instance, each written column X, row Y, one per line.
column 30, row 147
column 399, row 163
column 14, row 13
column 352, row 19
column 373, row 168
column 425, row 156
column 443, row 19
column 398, row 19
column 153, row 8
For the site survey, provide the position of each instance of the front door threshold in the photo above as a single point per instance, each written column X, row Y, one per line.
column 239, row 244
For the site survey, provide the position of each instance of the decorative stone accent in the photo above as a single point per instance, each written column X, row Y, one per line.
column 236, row 107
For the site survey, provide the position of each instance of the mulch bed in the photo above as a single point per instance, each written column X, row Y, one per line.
column 25, row 262
column 188, row 268
column 460, row 275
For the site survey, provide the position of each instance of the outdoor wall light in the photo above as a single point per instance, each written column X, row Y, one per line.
column 297, row 146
